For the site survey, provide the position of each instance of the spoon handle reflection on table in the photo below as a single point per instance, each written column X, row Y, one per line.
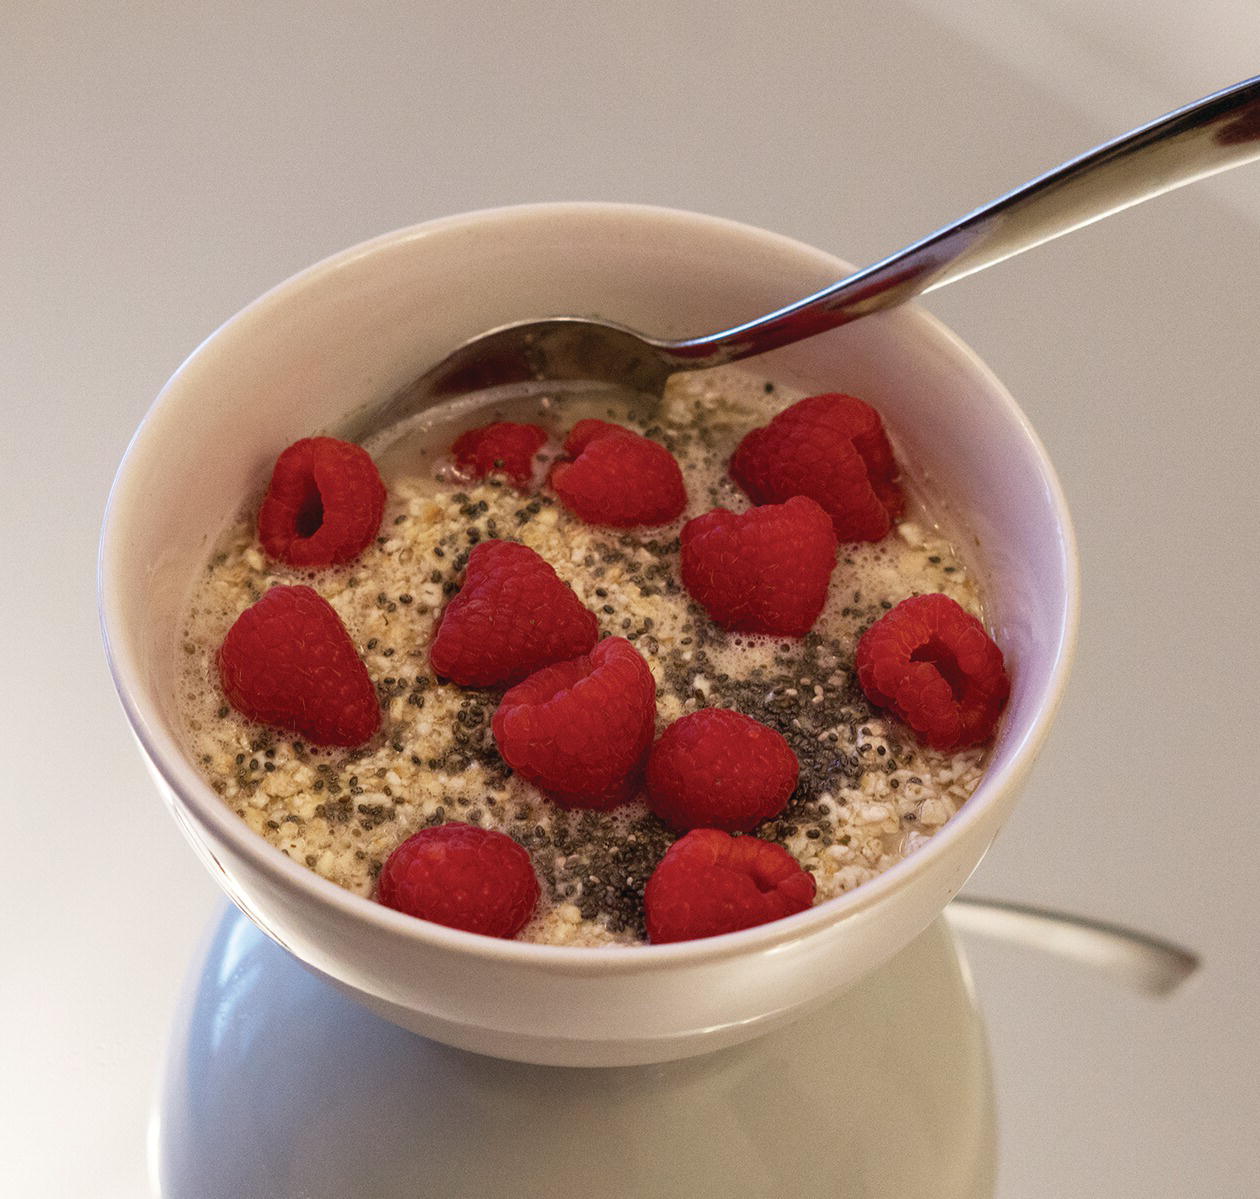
column 1146, row 963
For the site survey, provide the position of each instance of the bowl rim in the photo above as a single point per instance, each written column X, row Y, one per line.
column 206, row 808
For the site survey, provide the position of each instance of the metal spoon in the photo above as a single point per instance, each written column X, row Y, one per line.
column 1215, row 133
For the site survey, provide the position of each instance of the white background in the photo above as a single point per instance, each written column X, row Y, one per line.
column 162, row 164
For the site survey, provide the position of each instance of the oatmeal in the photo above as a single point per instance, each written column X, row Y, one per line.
column 867, row 794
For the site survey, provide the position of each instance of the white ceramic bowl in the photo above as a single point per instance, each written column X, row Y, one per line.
column 352, row 330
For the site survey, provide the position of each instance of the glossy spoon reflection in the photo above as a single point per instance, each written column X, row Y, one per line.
column 1139, row 960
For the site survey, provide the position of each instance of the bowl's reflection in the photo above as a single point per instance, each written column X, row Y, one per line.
column 279, row 1086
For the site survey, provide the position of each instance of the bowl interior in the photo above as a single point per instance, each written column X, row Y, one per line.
column 356, row 328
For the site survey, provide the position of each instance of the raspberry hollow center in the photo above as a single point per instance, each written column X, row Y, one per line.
column 942, row 657
column 310, row 515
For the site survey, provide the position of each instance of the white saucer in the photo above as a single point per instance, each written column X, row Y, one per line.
column 278, row 1086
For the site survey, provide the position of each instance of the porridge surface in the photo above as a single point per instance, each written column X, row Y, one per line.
column 867, row 795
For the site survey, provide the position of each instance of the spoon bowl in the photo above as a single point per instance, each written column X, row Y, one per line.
column 611, row 356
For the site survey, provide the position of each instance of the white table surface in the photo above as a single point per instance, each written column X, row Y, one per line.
column 163, row 164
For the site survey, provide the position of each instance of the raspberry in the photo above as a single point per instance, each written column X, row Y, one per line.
column 719, row 769
column 833, row 449
column 503, row 447
column 464, row 877
column 710, row 883
column 323, row 505
column 618, row 477
column 579, row 730
column 937, row 669
column 512, row 616
column 762, row 571
column 288, row 661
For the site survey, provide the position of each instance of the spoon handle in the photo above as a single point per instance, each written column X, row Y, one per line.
column 1213, row 134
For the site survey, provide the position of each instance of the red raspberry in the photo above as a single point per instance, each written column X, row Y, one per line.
column 833, row 449
column 618, row 477
column 937, row 669
column 719, row 769
column 860, row 422
column 710, row 883
column 579, row 730
column 323, row 505
column 464, row 877
column 761, row 571
column 503, row 447
column 512, row 616
column 288, row 661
